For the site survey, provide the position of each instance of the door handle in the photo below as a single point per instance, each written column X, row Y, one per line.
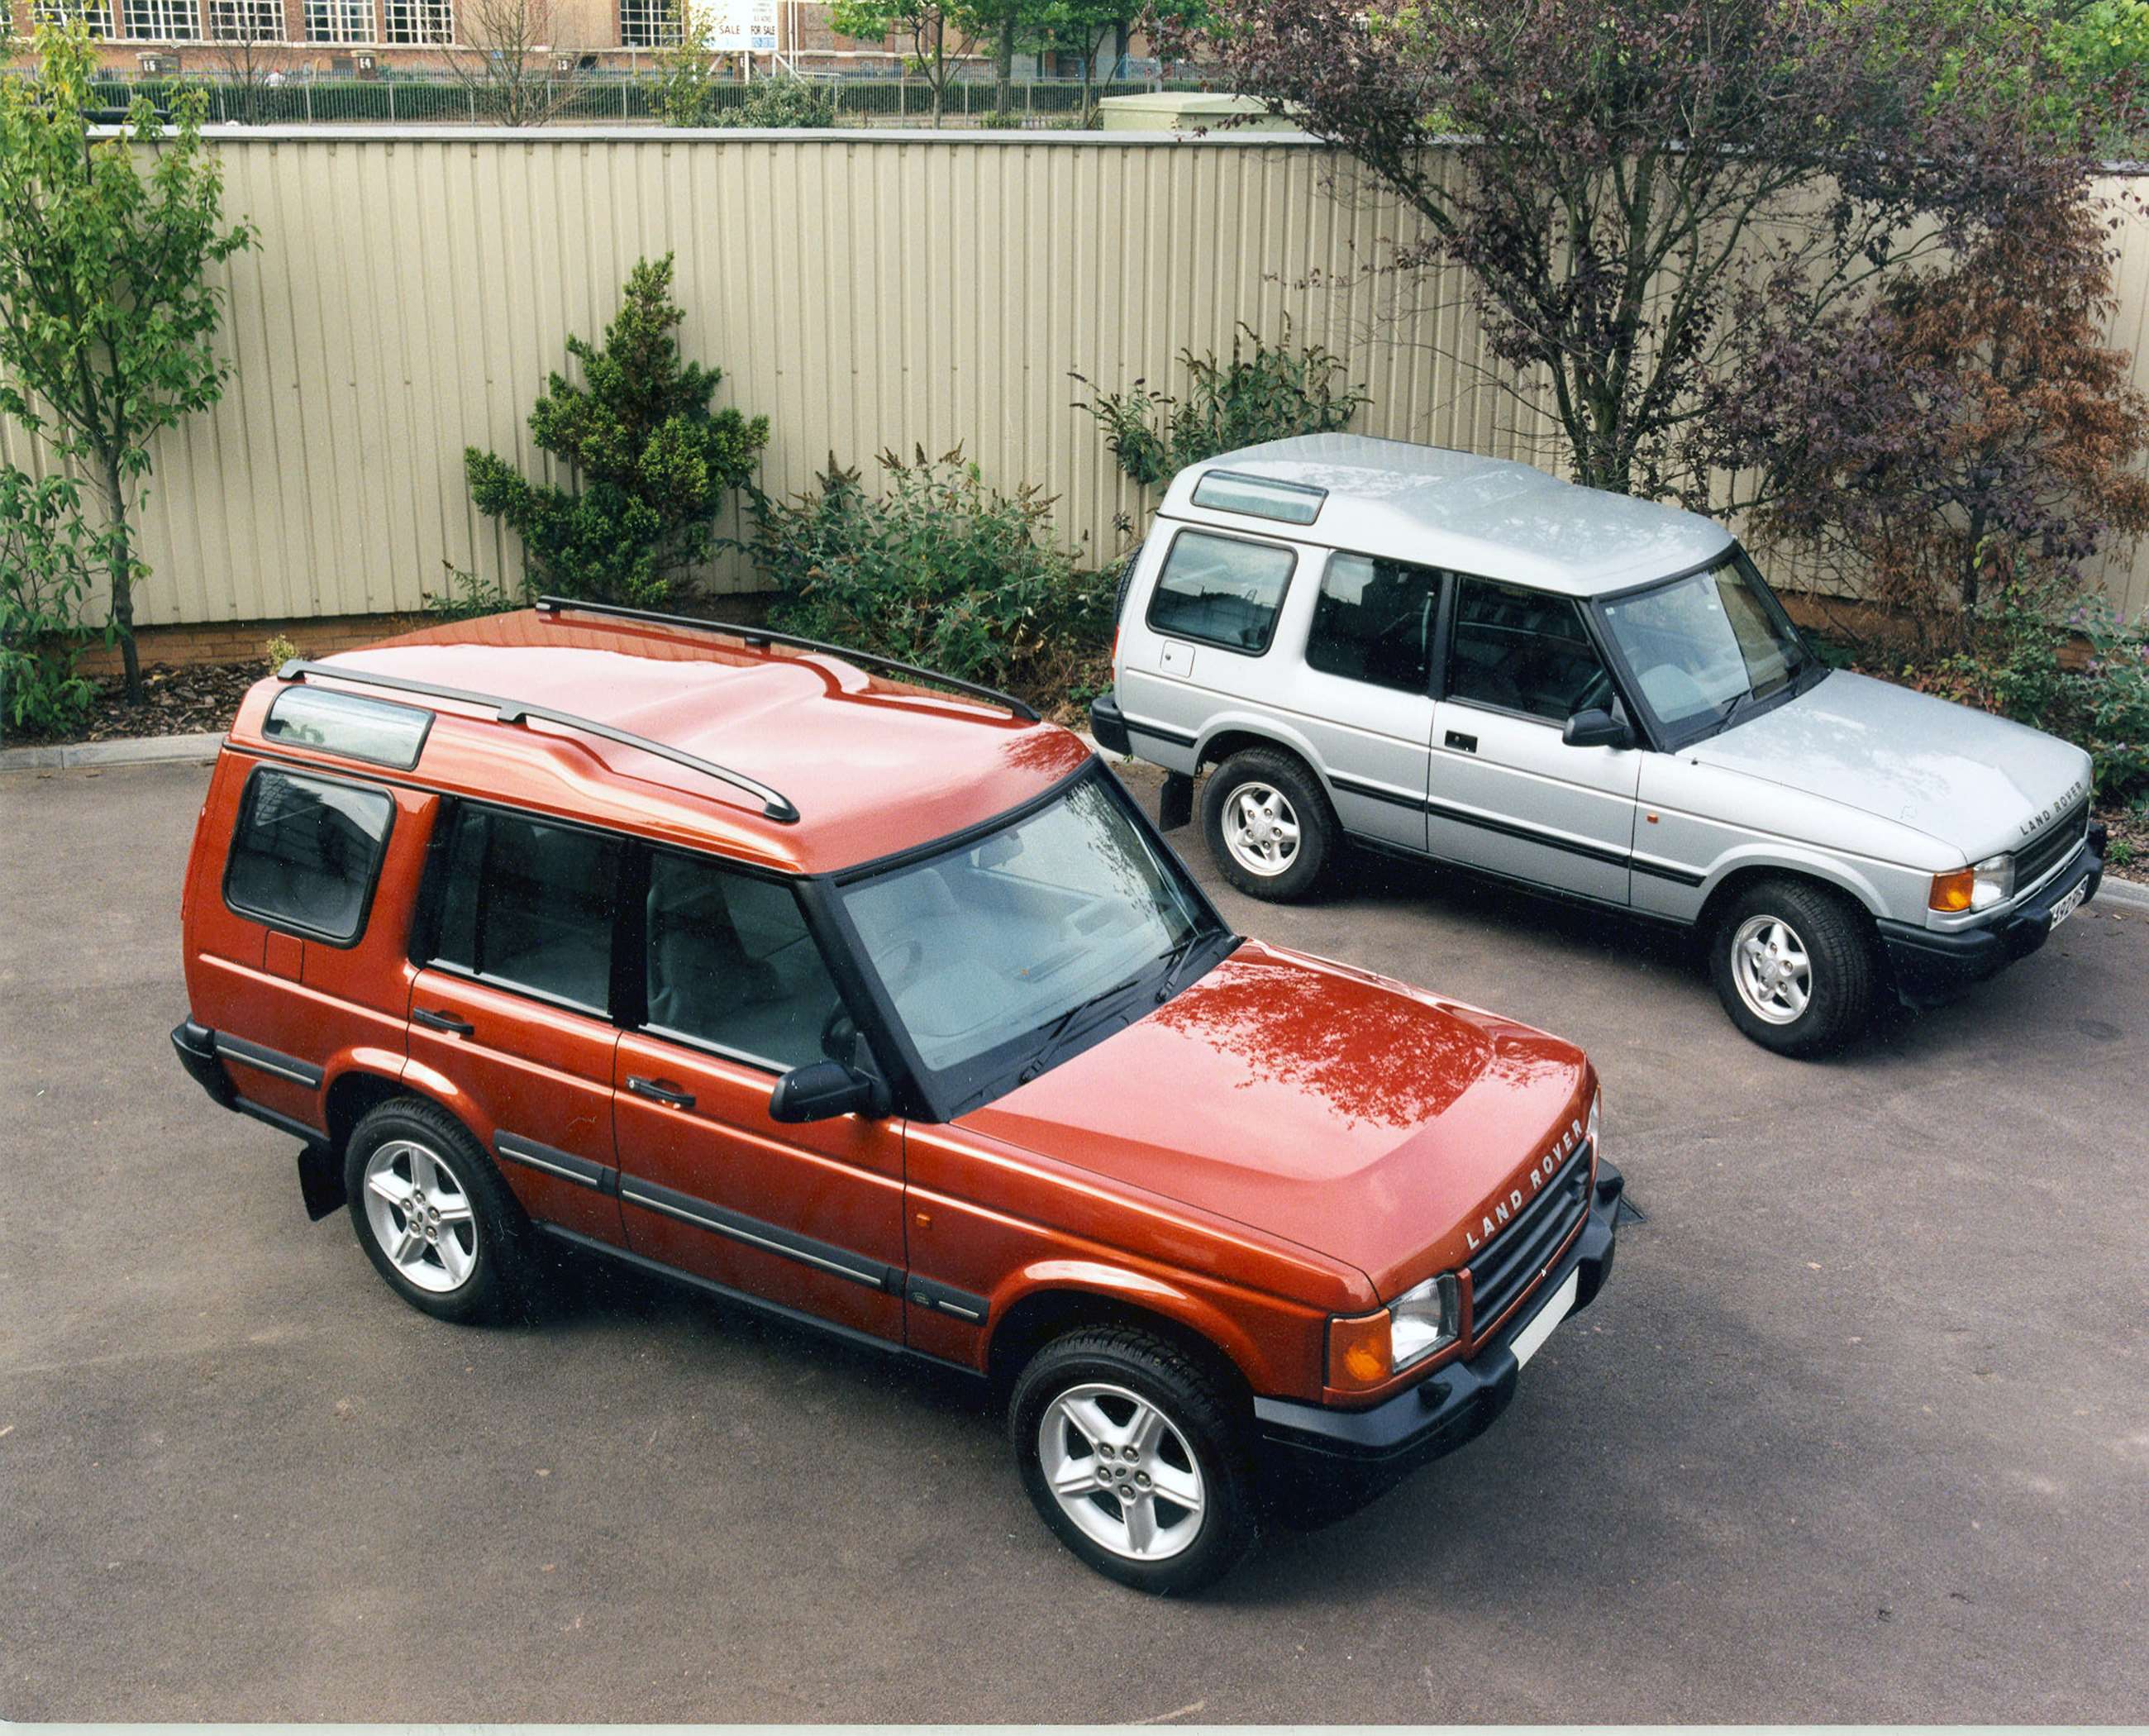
column 442, row 1022
column 1461, row 742
column 656, row 1091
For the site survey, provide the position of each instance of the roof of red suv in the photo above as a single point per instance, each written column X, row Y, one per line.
column 872, row 767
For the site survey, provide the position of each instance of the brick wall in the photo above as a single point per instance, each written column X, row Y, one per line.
column 236, row 641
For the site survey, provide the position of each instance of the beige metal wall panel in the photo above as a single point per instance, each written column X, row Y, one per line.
column 412, row 291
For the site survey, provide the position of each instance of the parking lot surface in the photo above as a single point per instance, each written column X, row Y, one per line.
column 1860, row 1429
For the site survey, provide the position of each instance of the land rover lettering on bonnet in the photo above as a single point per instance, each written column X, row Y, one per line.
column 1456, row 659
column 865, row 997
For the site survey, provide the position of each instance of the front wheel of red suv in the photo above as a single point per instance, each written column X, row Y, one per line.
column 1133, row 1454
column 432, row 1213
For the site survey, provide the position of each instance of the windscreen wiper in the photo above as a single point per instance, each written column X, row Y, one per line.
column 1180, row 955
column 1060, row 1029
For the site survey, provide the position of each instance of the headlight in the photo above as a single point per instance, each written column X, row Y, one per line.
column 1424, row 1320
column 1979, row 886
column 1369, row 1349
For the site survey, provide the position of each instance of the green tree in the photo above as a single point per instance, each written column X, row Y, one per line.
column 107, row 326
column 687, row 69
column 942, row 33
column 652, row 460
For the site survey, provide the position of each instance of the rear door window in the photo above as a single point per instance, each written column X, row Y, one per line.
column 306, row 854
column 1221, row 591
column 529, row 904
column 1373, row 621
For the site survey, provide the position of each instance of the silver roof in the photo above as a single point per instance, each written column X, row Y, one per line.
column 1484, row 515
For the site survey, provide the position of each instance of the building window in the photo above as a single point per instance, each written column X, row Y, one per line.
column 648, row 23
column 340, row 21
column 163, row 21
column 95, row 17
column 246, row 21
column 421, row 20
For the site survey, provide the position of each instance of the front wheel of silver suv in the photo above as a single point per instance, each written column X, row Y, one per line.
column 1795, row 965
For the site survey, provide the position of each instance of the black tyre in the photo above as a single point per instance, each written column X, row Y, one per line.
column 1796, row 966
column 1136, row 1456
column 1269, row 825
column 433, row 1214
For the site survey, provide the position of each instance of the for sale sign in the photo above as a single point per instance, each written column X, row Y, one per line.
column 746, row 26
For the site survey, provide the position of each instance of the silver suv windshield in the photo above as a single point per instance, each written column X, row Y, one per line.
column 1704, row 646
column 994, row 945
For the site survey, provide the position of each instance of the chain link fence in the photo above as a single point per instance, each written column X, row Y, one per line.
column 603, row 97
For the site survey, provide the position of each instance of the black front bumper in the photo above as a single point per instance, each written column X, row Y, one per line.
column 1929, row 967
column 1319, row 1464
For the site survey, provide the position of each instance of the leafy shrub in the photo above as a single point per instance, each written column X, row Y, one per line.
column 467, row 595
column 937, row 570
column 49, row 562
column 653, row 461
column 1260, row 393
column 280, row 650
column 2016, row 662
column 784, row 100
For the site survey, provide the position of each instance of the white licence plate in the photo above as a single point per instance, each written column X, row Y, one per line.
column 2068, row 905
column 1532, row 1337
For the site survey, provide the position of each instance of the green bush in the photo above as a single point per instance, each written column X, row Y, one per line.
column 49, row 562
column 466, row 595
column 2015, row 663
column 784, row 100
column 937, row 570
column 1260, row 393
column 652, row 460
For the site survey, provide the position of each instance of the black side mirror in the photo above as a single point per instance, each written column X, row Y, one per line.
column 1597, row 727
column 820, row 1091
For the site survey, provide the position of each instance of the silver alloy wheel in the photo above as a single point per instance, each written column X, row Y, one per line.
column 1260, row 829
column 420, row 1214
column 1122, row 1472
column 1770, row 965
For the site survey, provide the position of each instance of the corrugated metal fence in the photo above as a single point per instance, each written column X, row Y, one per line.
column 864, row 291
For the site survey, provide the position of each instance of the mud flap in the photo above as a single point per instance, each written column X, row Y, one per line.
column 1174, row 805
column 320, row 1181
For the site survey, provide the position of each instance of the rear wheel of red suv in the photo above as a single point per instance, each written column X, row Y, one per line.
column 432, row 1213
column 1133, row 1454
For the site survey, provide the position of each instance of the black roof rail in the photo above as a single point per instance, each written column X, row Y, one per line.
column 757, row 637
column 774, row 803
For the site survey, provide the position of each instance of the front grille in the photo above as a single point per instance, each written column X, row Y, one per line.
column 2057, row 841
column 1510, row 1263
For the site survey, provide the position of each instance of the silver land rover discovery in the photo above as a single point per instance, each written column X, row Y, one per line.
column 1455, row 657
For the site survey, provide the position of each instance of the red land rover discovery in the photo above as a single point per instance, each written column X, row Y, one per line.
column 885, row 1009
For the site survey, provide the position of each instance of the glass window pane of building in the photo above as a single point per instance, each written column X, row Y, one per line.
column 163, row 20
column 421, row 20
column 340, row 21
column 246, row 21
column 648, row 23
column 95, row 17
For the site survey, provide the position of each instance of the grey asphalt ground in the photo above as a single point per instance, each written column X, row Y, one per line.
column 1859, row 1430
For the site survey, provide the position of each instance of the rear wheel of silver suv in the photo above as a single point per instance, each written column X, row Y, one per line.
column 1268, row 823
column 1794, row 965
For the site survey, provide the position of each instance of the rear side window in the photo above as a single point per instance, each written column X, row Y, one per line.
column 529, row 904
column 1373, row 622
column 1221, row 591
column 306, row 854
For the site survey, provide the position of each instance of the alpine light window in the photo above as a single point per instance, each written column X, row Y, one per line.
column 341, row 21
column 368, row 729
column 648, row 23
column 163, row 20
column 421, row 20
column 1288, row 503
